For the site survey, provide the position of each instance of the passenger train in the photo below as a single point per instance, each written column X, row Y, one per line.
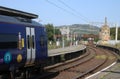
column 23, row 42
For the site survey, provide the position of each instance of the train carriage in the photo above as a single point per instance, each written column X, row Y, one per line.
column 23, row 42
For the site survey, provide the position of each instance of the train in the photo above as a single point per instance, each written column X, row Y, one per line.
column 23, row 42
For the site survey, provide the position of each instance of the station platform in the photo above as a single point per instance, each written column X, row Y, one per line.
column 63, row 54
column 113, row 72
column 60, row 51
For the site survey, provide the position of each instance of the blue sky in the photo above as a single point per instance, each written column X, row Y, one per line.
column 85, row 10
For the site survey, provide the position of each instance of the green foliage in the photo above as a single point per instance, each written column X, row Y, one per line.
column 119, row 34
column 57, row 32
column 112, row 33
column 51, row 31
column 96, row 39
column 53, row 46
column 117, row 45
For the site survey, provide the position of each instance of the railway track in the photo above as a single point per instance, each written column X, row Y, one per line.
column 92, row 61
column 95, row 60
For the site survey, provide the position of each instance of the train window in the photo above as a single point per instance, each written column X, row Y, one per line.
column 8, row 41
column 42, row 40
column 28, row 41
column 24, row 19
column 33, row 42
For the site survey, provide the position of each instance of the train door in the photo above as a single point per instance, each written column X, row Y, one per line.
column 30, row 41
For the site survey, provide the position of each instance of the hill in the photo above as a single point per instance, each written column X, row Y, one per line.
column 81, row 28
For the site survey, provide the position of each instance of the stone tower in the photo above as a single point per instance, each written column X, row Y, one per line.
column 104, row 34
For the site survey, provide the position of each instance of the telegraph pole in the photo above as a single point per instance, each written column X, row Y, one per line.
column 116, row 33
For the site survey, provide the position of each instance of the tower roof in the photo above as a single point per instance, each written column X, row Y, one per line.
column 105, row 23
column 105, row 20
column 105, row 26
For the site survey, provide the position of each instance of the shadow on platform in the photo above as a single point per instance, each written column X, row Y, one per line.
column 118, row 61
column 112, row 71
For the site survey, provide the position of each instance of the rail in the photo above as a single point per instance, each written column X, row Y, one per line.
column 116, row 50
column 70, row 68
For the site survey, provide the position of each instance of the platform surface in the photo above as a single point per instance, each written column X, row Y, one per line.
column 111, row 73
column 55, row 52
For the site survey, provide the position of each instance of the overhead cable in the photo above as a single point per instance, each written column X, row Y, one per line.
column 66, row 9
column 78, row 13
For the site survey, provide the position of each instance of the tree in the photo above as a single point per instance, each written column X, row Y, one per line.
column 118, row 33
column 57, row 34
column 50, row 31
column 112, row 33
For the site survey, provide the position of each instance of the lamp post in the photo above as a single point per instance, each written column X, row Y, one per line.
column 62, row 32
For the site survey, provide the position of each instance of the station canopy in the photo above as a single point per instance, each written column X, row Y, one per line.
column 16, row 13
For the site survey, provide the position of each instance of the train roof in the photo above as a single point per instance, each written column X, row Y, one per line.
column 17, row 20
column 13, row 12
column 17, row 17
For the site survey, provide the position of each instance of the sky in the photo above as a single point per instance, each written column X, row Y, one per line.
column 67, row 12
